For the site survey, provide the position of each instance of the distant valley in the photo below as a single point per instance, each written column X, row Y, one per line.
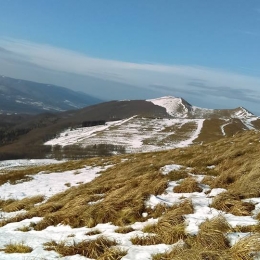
column 22, row 96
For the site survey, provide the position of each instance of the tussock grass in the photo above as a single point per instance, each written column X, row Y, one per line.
column 171, row 227
column 124, row 230
column 89, row 248
column 26, row 203
column 208, row 180
column 188, row 185
column 212, row 239
column 17, row 248
column 192, row 254
column 218, row 223
column 246, row 248
column 93, row 232
column 177, row 175
column 24, row 229
column 113, row 254
column 232, row 204
column 146, row 240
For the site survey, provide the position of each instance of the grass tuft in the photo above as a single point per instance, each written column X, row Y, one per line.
column 26, row 203
column 88, row 248
column 17, row 248
column 231, row 203
column 146, row 240
column 246, row 248
column 124, row 230
column 93, row 232
column 188, row 185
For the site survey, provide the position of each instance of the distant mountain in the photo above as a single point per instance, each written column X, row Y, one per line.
column 129, row 125
column 22, row 96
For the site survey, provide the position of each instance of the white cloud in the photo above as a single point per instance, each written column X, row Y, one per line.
column 143, row 75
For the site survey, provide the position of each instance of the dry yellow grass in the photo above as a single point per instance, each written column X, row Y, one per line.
column 17, row 248
column 246, row 248
column 232, row 203
column 93, row 232
column 127, row 186
column 26, row 203
column 146, row 240
column 124, row 230
column 188, row 185
column 171, row 227
column 89, row 248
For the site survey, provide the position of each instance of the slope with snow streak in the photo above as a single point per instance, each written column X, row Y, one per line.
column 246, row 117
column 135, row 134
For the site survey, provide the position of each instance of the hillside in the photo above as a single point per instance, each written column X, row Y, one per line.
column 120, row 126
column 22, row 96
column 199, row 202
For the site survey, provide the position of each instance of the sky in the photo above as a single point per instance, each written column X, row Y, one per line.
column 206, row 52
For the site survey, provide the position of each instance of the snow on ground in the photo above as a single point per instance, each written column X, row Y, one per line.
column 26, row 162
column 174, row 106
column 51, row 183
column 48, row 184
column 246, row 117
column 76, row 136
column 136, row 134
column 201, row 203
column 223, row 126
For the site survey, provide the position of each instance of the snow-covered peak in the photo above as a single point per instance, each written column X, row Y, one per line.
column 241, row 112
column 174, row 106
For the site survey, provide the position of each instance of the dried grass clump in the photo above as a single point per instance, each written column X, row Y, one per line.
column 218, row 223
column 124, row 230
column 146, row 240
column 211, row 234
column 177, row 175
column 208, row 180
column 212, row 239
column 24, row 229
column 17, row 248
column 232, row 204
column 188, row 185
column 171, row 226
column 93, row 232
column 150, row 228
column 26, row 203
column 246, row 248
column 196, row 253
column 113, row 254
column 158, row 210
column 91, row 248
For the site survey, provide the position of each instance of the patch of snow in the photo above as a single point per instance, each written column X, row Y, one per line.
column 174, row 106
column 171, row 167
column 49, row 184
column 135, row 134
column 234, row 237
column 26, row 162
column 222, row 127
column 246, row 117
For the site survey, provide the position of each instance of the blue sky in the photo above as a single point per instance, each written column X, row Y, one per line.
column 204, row 51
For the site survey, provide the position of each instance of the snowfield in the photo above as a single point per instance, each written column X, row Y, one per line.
column 136, row 134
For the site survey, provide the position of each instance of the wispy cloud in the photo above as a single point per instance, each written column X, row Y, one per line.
column 191, row 80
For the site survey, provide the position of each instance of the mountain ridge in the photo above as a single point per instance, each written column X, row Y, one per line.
column 23, row 96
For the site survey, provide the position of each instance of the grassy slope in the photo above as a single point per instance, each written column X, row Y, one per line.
column 126, row 186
